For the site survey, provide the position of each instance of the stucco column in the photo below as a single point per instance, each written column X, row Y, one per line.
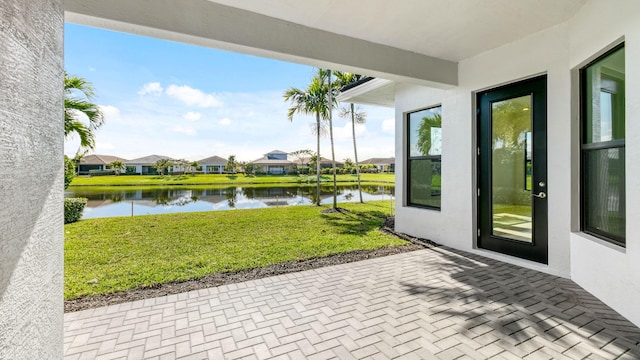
column 31, row 179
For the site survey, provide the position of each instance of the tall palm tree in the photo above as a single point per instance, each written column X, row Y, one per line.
column 326, row 74
column 333, row 153
column 356, row 114
column 75, row 106
column 313, row 100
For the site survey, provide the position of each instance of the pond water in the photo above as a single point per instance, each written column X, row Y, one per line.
column 131, row 201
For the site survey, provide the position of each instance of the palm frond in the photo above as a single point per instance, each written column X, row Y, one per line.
column 75, row 108
column 359, row 115
column 85, row 134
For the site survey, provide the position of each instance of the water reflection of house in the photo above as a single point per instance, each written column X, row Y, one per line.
column 98, row 203
column 214, row 196
column 213, row 165
column 274, row 162
column 96, row 162
column 377, row 190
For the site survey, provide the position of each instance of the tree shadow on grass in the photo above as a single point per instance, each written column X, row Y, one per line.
column 353, row 222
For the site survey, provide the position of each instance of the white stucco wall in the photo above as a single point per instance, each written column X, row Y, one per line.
column 541, row 53
column 609, row 272
column 31, row 179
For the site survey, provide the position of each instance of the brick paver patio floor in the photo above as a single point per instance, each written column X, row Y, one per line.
column 428, row 304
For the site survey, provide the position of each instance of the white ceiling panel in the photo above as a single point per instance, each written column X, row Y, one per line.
column 446, row 29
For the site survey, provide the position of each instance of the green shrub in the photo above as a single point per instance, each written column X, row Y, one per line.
column 69, row 171
column 73, row 208
column 102, row 172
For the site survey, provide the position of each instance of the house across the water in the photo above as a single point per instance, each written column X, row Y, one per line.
column 145, row 165
column 387, row 165
column 274, row 162
column 96, row 162
column 212, row 165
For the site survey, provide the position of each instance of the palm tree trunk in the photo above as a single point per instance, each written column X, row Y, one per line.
column 318, row 159
column 333, row 154
column 355, row 149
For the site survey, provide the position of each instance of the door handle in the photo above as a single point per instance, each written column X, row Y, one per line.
column 541, row 195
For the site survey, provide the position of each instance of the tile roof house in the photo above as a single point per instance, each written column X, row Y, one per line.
column 275, row 162
column 146, row 165
column 324, row 162
column 96, row 162
column 213, row 164
column 382, row 164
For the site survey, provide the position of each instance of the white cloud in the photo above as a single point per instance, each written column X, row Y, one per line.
column 109, row 112
column 389, row 126
column 346, row 133
column 248, row 125
column 153, row 88
column 187, row 130
column 192, row 116
column 193, row 97
column 102, row 147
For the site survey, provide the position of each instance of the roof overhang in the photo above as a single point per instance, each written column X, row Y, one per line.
column 379, row 92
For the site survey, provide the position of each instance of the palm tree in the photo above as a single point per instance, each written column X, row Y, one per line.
column 118, row 166
column 357, row 117
column 75, row 106
column 300, row 155
column 333, row 153
column 193, row 166
column 231, row 165
column 313, row 100
column 161, row 165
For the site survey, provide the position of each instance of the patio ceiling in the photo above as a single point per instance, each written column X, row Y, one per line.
column 448, row 29
column 417, row 41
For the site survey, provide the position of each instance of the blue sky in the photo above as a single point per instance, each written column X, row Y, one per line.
column 185, row 101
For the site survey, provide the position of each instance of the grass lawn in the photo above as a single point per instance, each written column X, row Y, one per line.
column 203, row 179
column 128, row 252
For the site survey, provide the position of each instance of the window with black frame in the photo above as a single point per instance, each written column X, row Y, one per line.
column 424, row 165
column 603, row 147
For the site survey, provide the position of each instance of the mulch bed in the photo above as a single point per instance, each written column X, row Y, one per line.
column 214, row 280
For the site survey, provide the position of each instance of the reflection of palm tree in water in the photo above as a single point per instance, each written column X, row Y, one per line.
column 171, row 197
column 310, row 193
column 116, row 198
column 231, row 197
column 249, row 193
column 161, row 197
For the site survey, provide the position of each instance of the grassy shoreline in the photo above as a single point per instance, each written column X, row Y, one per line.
column 116, row 254
column 222, row 179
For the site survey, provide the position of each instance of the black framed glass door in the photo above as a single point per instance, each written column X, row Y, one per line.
column 512, row 169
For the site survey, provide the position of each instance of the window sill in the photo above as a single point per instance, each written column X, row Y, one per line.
column 600, row 241
column 423, row 207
